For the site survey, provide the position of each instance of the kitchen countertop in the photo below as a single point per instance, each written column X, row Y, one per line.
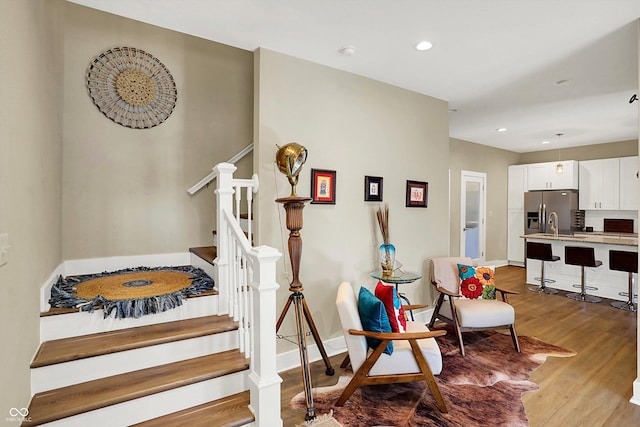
column 595, row 237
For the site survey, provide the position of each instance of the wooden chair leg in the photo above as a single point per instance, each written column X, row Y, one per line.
column 456, row 326
column 436, row 310
column 346, row 362
column 362, row 373
column 428, row 376
column 514, row 337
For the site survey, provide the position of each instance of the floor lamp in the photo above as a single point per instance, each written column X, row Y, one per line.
column 290, row 159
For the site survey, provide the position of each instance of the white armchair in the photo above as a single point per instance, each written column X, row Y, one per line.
column 416, row 355
column 468, row 314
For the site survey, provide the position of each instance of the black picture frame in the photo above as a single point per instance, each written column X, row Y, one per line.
column 323, row 186
column 373, row 188
column 417, row 194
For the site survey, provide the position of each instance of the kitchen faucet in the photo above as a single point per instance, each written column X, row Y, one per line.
column 554, row 224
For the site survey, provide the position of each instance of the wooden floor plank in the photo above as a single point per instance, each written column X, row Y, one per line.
column 79, row 398
column 232, row 411
column 592, row 388
column 80, row 347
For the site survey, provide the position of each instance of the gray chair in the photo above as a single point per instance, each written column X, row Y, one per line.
column 584, row 257
column 625, row 261
column 543, row 253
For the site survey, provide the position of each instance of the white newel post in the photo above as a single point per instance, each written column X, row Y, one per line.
column 224, row 198
column 264, row 379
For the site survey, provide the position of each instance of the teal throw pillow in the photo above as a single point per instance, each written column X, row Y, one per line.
column 374, row 317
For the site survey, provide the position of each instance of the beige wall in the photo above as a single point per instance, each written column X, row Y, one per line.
column 125, row 189
column 357, row 127
column 30, row 180
column 587, row 152
column 494, row 162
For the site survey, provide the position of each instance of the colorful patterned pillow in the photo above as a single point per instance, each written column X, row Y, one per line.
column 477, row 282
column 389, row 297
column 374, row 317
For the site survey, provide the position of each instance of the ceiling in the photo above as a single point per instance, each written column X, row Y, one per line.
column 497, row 62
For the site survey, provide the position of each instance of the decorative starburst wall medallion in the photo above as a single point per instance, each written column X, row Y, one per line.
column 131, row 87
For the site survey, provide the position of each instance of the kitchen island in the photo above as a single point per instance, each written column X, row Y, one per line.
column 600, row 281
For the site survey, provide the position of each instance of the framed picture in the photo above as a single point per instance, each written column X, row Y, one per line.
column 417, row 194
column 323, row 186
column 372, row 188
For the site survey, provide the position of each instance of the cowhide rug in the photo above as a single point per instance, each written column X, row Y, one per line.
column 483, row 388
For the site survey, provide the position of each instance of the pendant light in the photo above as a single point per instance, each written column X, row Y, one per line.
column 559, row 167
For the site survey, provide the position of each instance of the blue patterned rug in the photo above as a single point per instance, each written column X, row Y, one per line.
column 132, row 292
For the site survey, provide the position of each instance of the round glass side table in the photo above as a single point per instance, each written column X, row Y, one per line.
column 398, row 277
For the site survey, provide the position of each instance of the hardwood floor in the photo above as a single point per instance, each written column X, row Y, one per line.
column 591, row 389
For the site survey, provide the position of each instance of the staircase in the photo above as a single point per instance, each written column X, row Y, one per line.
column 209, row 362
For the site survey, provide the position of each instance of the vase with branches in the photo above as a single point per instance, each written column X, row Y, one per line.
column 387, row 250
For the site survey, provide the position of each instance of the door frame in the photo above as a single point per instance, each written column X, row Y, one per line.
column 482, row 210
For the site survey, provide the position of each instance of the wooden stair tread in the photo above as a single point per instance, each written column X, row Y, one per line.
column 84, row 346
column 232, row 411
column 207, row 253
column 72, row 400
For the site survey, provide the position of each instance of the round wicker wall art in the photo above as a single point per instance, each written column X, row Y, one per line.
column 131, row 87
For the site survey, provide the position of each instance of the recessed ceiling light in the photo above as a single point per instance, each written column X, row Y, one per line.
column 501, row 129
column 347, row 50
column 424, row 45
column 545, row 142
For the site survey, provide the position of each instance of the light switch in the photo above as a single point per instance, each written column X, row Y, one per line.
column 4, row 249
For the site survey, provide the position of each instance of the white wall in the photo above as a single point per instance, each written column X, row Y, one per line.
column 31, row 69
column 357, row 127
column 125, row 189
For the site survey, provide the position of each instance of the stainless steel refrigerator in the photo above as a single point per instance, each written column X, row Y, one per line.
column 538, row 205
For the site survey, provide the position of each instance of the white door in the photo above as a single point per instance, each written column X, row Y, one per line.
column 472, row 215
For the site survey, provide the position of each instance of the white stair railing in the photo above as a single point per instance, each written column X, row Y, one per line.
column 207, row 179
column 247, row 292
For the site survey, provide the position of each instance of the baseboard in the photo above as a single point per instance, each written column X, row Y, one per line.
column 97, row 265
column 291, row 359
column 635, row 399
column 496, row 263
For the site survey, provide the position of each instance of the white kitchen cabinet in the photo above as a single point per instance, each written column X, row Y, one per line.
column 629, row 183
column 544, row 176
column 517, row 186
column 600, row 184
column 515, row 243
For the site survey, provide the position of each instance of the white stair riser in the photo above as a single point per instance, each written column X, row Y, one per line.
column 82, row 323
column 196, row 261
column 159, row 404
column 63, row 374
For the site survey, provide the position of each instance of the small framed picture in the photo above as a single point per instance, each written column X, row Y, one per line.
column 372, row 188
column 323, row 186
column 417, row 194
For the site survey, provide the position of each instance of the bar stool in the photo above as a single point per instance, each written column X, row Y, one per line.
column 584, row 257
column 625, row 261
column 541, row 252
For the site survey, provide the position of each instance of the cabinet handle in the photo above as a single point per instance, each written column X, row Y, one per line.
column 595, row 204
column 600, row 204
column 637, row 173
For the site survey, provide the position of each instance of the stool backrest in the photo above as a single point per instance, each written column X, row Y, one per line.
column 623, row 261
column 541, row 251
column 579, row 255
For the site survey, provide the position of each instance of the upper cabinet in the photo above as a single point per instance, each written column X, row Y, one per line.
column 545, row 176
column 517, row 186
column 629, row 183
column 600, row 184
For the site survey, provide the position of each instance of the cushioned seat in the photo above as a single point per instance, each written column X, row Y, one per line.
column 482, row 310
column 481, row 313
column 415, row 357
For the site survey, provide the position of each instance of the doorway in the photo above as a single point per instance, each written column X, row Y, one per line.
column 473, row 202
